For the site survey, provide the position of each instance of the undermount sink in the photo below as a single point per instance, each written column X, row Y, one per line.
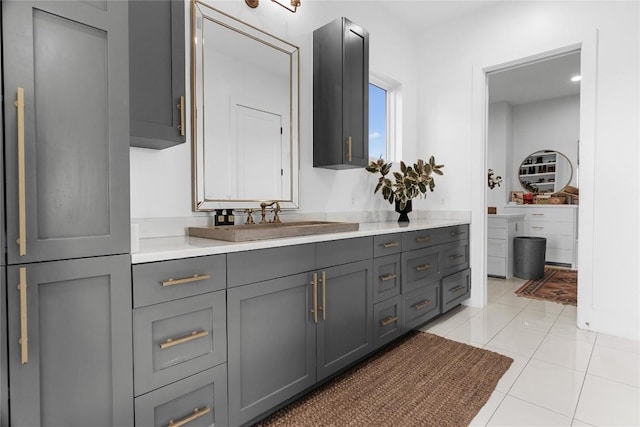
column 248, row 232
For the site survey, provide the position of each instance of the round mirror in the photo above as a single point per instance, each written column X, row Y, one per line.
column 545, row 171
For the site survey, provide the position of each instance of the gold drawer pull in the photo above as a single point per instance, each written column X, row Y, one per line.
column 537, row 214
column 538, row 227
column 349, row 149
column 22, row 204
column 388, row 277
column 197, row 413
column 388, row 320
column 452, row 257
column 457, row 289
column 457, row 233
column 194, row 278
column 423, row 239
column 314, row 291
column 24, row 340
column 170, row 342
column 423, row 304
column 391, row 245
column 423, row 267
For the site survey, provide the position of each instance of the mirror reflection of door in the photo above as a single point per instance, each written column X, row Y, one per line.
column 534, row 110
column 259, row 169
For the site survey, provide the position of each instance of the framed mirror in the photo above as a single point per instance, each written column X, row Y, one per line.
column 545, row 171
column 245, row 95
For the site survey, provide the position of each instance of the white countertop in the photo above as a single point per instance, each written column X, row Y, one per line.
column 166, row 248
column 512, row 215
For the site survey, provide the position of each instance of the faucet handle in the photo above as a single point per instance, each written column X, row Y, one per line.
column 276, row 211
column 249, row 213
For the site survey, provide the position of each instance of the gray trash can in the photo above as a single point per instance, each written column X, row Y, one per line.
column 529, row 254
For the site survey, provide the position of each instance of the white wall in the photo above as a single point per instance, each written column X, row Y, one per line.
column 161, row 180
column 499, row 149
column 451, row 116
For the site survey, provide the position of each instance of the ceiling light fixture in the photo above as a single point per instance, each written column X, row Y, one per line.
column 576, row 78
column 294, row 4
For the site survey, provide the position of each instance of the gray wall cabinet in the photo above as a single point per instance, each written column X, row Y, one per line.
column 70, row 348
column 340, row 95
column 71, row 60
column 157, row 73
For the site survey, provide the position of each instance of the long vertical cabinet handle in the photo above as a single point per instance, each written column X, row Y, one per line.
column 24, row 340
column 181, row 108
column 324, row 296
column 314, row 290
column 349, row 149
column 22, row 208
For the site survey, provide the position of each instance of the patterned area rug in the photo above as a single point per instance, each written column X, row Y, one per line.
column 557, row 285
column 421, row 380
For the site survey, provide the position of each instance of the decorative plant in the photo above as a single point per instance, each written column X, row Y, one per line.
column 410, row 182
column 494, row 181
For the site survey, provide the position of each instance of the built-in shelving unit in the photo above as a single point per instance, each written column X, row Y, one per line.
column 539, row 170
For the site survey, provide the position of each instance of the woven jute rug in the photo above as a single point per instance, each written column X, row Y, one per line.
column 557, row 285
column 422, row 380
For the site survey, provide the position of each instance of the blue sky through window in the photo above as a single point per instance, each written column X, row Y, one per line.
column 377, row 122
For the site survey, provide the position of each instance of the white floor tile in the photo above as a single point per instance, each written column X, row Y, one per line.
column 550, row 386
column 483, row 417
column 547, row 307
column 566, row 327
column 515, row 412
column 519, row 340
column 619, row 343
column 570, row 311
column 608, row 403
column 565, row 352
column 480, row 328
column 577, row 423
column 510, row 298
column 616, row 365
column 535, row 320
column 509, row 377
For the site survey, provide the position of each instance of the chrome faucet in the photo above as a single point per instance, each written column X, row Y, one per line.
column 276, row 211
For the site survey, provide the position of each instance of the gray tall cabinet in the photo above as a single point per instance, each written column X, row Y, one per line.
column 66, row 140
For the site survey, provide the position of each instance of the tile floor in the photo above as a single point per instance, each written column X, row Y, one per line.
column 561, row 375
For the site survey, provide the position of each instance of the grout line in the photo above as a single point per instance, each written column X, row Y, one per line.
column 585, row 377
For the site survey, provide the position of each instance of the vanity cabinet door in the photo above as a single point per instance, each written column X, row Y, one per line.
column 70, row 343
column 271, row 344
column 156, row 73
column 340, row 95
column 66, row 63
column 345, row 316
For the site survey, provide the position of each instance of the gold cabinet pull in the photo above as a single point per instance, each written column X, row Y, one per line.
column 194, row 278
column 170, row 342
column 457, row 289
column 423, row 239
column 197, row 413
column 388, row 277
column 423, row 304
column 24, row 339
column 22, row 204
column 324, row 296
column 349, row 148
column 388, row 320
column 457, row 233
column 314, row 290
column 452, row 257
column 391, row 245
column 537, row 227
column 423, row 267
column 181, row 108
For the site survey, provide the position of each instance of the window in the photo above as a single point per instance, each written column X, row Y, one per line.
column 383, row 98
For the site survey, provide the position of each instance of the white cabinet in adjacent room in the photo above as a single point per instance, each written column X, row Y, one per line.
column 501, row 229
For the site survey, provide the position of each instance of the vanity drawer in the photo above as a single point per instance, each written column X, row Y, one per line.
column 338, row 252
column 455, row 289
column 386, row 273
column 497, row 233
column 199, row 400
column 265, row 264
column 413, row 240
column 387, row 244
column 420, row 267
column 178, row 338
column 387, row 321
column 420, row 305
column 496, row 247
column 157, row 282
column 560, row 228
column 455, row 257
column 551, row 213
column 497, row 266
column 456, row 232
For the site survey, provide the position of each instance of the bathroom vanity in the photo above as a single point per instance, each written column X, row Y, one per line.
column 229, row 332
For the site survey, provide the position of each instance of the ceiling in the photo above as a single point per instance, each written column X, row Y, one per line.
column 537, row 81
